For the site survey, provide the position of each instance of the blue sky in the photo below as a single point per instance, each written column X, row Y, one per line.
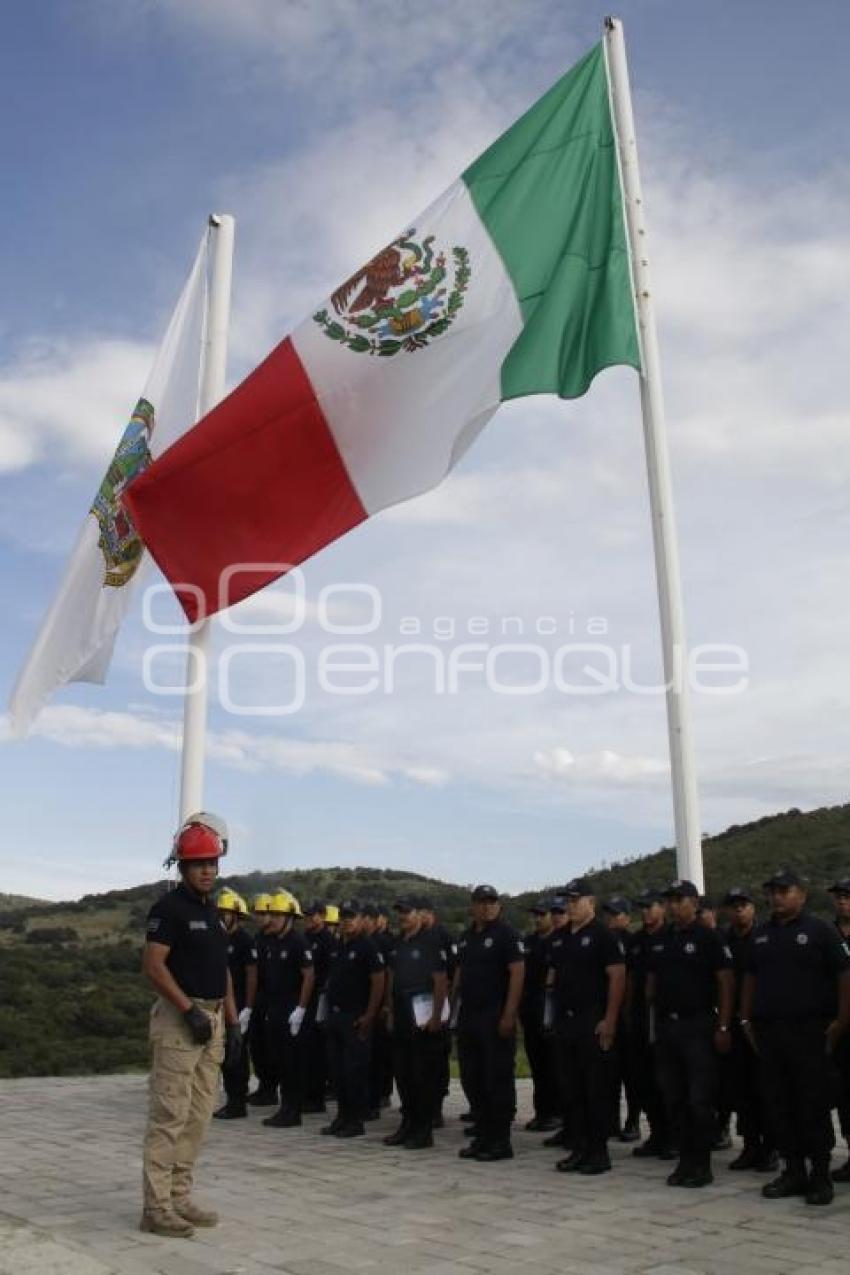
column 323, row 128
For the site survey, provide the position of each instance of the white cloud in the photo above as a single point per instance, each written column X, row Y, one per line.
column 68, row 402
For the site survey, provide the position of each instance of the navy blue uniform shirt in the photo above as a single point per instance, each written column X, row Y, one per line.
column 484, row 957
column 685, row 963
column 353, row 962
column 796, row 966
column 190, row 928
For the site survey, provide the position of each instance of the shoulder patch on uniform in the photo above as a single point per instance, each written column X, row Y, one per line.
column 153, row 924
column 443, row 954
column 846, row 949
column 727, row 952
column 802, row 939
column 521, row 947
column 380, row 958
column 488, row 942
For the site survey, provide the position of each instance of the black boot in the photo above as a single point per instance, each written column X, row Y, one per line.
column 556, row 1139
column 768, row 1161
column 495, row 1151
column 231, row 1111
column 596, row 1161
column 821, row 1190
column 791, row 1181
column 396, row 1139
column 334, row 1126
column 749, row 1158
column 682, row 1170
column 699, row 1172
column 571, row 1163
column 286, row 1118
column 418, row 1140
column 262, row 1098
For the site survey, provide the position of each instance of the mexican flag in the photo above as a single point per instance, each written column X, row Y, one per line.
column 77, row 635
column 515, row 281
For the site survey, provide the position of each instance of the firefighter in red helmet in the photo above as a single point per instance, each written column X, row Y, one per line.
column 193, row 1028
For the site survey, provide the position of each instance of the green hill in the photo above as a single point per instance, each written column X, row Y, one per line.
column 72, row 999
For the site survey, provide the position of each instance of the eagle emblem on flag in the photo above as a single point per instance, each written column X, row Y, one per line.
column 119, row 541
column 408, row 294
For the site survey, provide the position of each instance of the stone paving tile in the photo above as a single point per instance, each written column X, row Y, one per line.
column 293, row 1203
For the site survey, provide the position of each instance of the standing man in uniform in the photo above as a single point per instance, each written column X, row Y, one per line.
column 374, row 926
column 417, row 991
column 356, row 984
column 640, row 1040
column 488, row 986
column 286, row 979
column 795, row 1006
column 552, row 945
column 840, row 891
column 691, row 988
column 265, row 1095
column 432, row 925
column 193, row 1028
column 745, row 1095
column 589, row 984
column 242, row 963
column 538, row 1049
column 319, row 941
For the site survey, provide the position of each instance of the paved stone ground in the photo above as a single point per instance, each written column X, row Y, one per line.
column 300, row 1204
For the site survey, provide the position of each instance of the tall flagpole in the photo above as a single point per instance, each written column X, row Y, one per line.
column 689, row 862
column 221, row 228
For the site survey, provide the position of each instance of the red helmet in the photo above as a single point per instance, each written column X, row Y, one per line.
column 198, row 842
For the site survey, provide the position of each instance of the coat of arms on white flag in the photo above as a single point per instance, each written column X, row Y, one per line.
column 78, row 633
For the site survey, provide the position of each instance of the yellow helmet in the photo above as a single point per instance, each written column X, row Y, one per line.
column 331, row 914
column 229, row 901
column 282, row 903
column 261, row 902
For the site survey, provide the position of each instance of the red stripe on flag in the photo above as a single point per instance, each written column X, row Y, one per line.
column 258, row 481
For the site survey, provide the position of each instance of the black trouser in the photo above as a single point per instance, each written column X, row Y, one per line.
column 415, row 1056
column 687, row 1077
column 287, row 1053
column 842, row 1067
column 380, row 1065
column 623, row 1079
column 443, row 1071
column 348, row 1059
column 644, row 1070
column 741, row 1092
column 258, row 1041
column 586, row 1072
column 236, row 1079
column 797, row 1079
column 541, row 1061
column 315, row 1059
column 487, row 1072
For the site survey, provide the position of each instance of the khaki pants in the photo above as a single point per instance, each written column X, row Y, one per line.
column 183, row 1087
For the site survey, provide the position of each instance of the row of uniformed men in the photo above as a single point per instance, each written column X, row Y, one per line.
column 668, row 1012
column 680, row 995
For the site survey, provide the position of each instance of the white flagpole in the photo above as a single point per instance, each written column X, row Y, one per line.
column 689, row 862
column 211, row 392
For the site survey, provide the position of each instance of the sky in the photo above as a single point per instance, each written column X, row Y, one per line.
column 323, row 129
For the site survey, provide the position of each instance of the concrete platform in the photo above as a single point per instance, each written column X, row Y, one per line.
column 294, row 1202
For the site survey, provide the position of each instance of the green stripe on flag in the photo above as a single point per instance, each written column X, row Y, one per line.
column 548, row 192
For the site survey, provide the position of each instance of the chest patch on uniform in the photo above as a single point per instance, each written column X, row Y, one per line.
column 761, row 939
column 415, row 954
column 585, row 941
column 488, row 942
column 198, row 925
column 802, row 939
column 284, row 956
column 690, row 948
column 352, row 956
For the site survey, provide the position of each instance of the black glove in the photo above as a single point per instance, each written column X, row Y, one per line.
column 233, row 1045
column 199, row 1024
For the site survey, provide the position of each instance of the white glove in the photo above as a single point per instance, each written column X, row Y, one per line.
column 296, row 1018
column 244, row 1019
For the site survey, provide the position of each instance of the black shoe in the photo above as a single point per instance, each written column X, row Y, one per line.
column 682, row 1170
column 470, row 1152
column 437, row 1121
column 697, row 1176
column 571, row 1163
column 314, row 1107
column 374, row 1113
column 400, row 1136
column 768, row 1161
column 286, row 1118
column 592, row 1165
column 542, row 1124
column 821, row 1190
column 353, row 1130
column 791, row 1181
column 472, row 1131
column 495, row 1151
column 647, row 1150
column 334, row 1126
column 418, row 1141
column 467, row 1117
column 749, row 1158
column 262, row 1098
column 631, row 1131
column 556, row 1139
column 230, row 1113
column 842, row 1174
